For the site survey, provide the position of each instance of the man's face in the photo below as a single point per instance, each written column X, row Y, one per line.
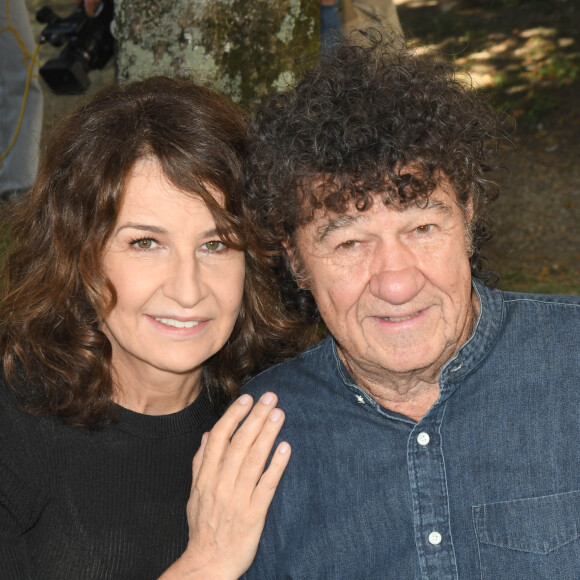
column 392, row 285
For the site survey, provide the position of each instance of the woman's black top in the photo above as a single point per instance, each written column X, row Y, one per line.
column 81, row 504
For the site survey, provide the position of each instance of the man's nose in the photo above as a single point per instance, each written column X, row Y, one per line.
column 396, row 278
column 397, row 286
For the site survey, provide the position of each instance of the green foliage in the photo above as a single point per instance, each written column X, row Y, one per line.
column 558, row 69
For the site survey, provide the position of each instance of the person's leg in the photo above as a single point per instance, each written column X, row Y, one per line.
column 366, row 13
column 18, row 143
column 330, row 25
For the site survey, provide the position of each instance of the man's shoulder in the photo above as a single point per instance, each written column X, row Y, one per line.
column 542, row 300
column 496, row 297
column 560, row 309
column 296, row 373
column 541, row 320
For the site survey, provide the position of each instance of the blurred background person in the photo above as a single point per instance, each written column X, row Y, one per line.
column 20, row 101
column 339, row 16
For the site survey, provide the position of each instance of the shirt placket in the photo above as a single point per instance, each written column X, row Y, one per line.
column 430, row 498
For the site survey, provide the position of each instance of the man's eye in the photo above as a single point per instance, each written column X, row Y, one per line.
column 144, row 243
column 348, row 245
column 214, row 245
column 424, row 229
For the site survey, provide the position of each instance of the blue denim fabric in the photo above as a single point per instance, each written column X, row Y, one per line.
column 330, row 27
column 485, row 486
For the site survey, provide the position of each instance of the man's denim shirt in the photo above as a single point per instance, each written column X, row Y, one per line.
column 485, row 486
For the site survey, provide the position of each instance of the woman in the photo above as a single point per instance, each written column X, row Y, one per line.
column 128, row 319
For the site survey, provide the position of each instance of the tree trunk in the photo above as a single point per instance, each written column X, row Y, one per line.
column 242, row 48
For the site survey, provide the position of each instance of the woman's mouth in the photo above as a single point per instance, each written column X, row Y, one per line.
column 177, row 323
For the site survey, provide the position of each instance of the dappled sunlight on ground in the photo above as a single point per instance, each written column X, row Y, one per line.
column 516, row 48
column 524, row 55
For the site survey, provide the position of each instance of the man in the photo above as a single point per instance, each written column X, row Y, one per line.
column 435, row 431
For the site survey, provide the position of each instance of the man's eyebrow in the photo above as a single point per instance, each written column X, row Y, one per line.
column 437, row 204
column 346, row 220
column 336, row 224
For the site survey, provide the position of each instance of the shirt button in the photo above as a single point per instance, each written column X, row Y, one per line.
column 435, row 538
column 423, row 438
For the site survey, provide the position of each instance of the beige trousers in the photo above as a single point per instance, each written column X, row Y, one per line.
column 365, row 13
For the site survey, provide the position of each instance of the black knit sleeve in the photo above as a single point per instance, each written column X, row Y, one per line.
column 20, row 498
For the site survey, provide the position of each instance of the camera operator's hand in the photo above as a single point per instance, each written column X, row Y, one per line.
column 90, row 6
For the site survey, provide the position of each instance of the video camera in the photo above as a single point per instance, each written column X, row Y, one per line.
column 90, row 45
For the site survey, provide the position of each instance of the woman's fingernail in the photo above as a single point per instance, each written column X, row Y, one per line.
column 275, row 415
column 244, row 399
column 267, row 398
column 283, row 448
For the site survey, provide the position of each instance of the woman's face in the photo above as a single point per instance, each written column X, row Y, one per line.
column 179, row 287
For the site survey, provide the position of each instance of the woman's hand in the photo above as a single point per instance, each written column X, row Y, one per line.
column 231, row 492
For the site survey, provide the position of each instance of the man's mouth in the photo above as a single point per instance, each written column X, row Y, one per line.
column 402, row 318
column 398, row 318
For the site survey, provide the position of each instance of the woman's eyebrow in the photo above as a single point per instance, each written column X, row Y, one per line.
column 142, row 227
column 159, row 230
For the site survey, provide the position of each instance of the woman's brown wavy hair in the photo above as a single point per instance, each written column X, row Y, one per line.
column 55, row 290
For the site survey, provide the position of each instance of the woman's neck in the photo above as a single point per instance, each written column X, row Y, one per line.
column 155, row 393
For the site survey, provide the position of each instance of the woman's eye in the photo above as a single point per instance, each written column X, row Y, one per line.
column 348, row 245
column 144, row 243
column 214, row 245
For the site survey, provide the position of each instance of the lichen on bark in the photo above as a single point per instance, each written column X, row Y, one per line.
column 243, row 48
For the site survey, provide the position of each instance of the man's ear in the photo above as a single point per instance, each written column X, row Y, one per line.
column 468, row 213
column 296, row 264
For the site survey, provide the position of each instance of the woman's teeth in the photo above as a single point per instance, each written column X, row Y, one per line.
column 178, row 323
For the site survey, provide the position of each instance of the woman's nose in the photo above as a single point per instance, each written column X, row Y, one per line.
column 184, row 282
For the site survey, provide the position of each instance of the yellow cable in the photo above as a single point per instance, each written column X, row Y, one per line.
column 30, row 68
